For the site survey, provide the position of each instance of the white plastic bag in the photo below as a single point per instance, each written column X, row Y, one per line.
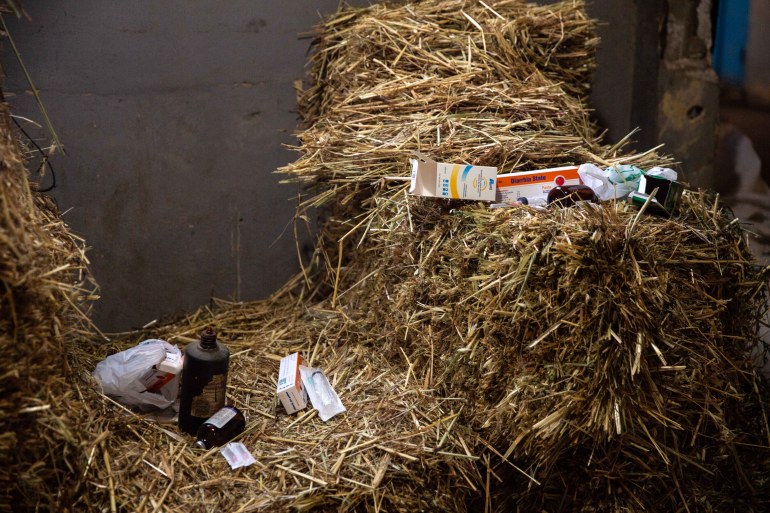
column 120, row 374
column 595, row 178
column 624, row 179
column 617, row 181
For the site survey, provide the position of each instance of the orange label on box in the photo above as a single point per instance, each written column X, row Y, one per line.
column 534, row 184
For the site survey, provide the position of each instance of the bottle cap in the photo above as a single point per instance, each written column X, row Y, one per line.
column 208, row 338
column 200, row 444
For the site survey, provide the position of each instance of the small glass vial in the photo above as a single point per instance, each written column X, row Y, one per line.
column 222, row 427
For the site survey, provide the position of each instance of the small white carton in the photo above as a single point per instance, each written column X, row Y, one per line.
column 455, row 181
column 291, row 391
column 172, row 363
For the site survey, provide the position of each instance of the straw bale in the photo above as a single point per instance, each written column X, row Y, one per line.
column 46, row 289
column 439, row 378
column 584, row 338
column 607, row 356
column 422, row 76
column 461, row 81
column 397, row 448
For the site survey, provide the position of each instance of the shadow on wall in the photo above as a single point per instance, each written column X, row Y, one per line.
column 743, row 173
column 744, row 186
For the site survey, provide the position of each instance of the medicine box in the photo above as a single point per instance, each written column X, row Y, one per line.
column 290, row 389
column 452, row 181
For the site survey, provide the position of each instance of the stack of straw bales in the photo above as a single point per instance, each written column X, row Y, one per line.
column 586, row 359
column 45, row 293
column 605, row 353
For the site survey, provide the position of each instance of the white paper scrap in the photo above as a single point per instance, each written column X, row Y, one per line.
column 237, row 455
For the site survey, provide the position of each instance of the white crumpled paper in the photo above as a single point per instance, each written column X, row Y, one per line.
column 663, row 172
column 119, row 374
column 618, row 181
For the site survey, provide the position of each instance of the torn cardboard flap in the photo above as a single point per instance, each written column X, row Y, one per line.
column 456, row 181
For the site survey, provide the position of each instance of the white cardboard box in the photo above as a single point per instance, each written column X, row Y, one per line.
column 163, row 373
column 456, row 181
column 172, row 363
column 291, row 391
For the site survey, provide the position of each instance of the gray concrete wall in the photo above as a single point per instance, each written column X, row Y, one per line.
column 612, row 91
column 173, row 114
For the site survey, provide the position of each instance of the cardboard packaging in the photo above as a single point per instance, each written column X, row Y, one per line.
column 455, row 181
column 291, row 391
column 511, row 187
column 669, row 192
column 161, row 374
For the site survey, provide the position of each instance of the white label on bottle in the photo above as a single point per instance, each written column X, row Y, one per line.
column 222, row 417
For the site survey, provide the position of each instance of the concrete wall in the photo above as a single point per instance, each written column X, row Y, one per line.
column 688, row 90
column 173, row 114
column 757, row 51
column 612, row 91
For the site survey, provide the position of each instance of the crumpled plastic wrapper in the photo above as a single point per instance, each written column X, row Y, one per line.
column 618, row 181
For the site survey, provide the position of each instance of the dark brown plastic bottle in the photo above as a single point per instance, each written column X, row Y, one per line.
column 222, row 427
column 204, row 381
column 568, row 195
